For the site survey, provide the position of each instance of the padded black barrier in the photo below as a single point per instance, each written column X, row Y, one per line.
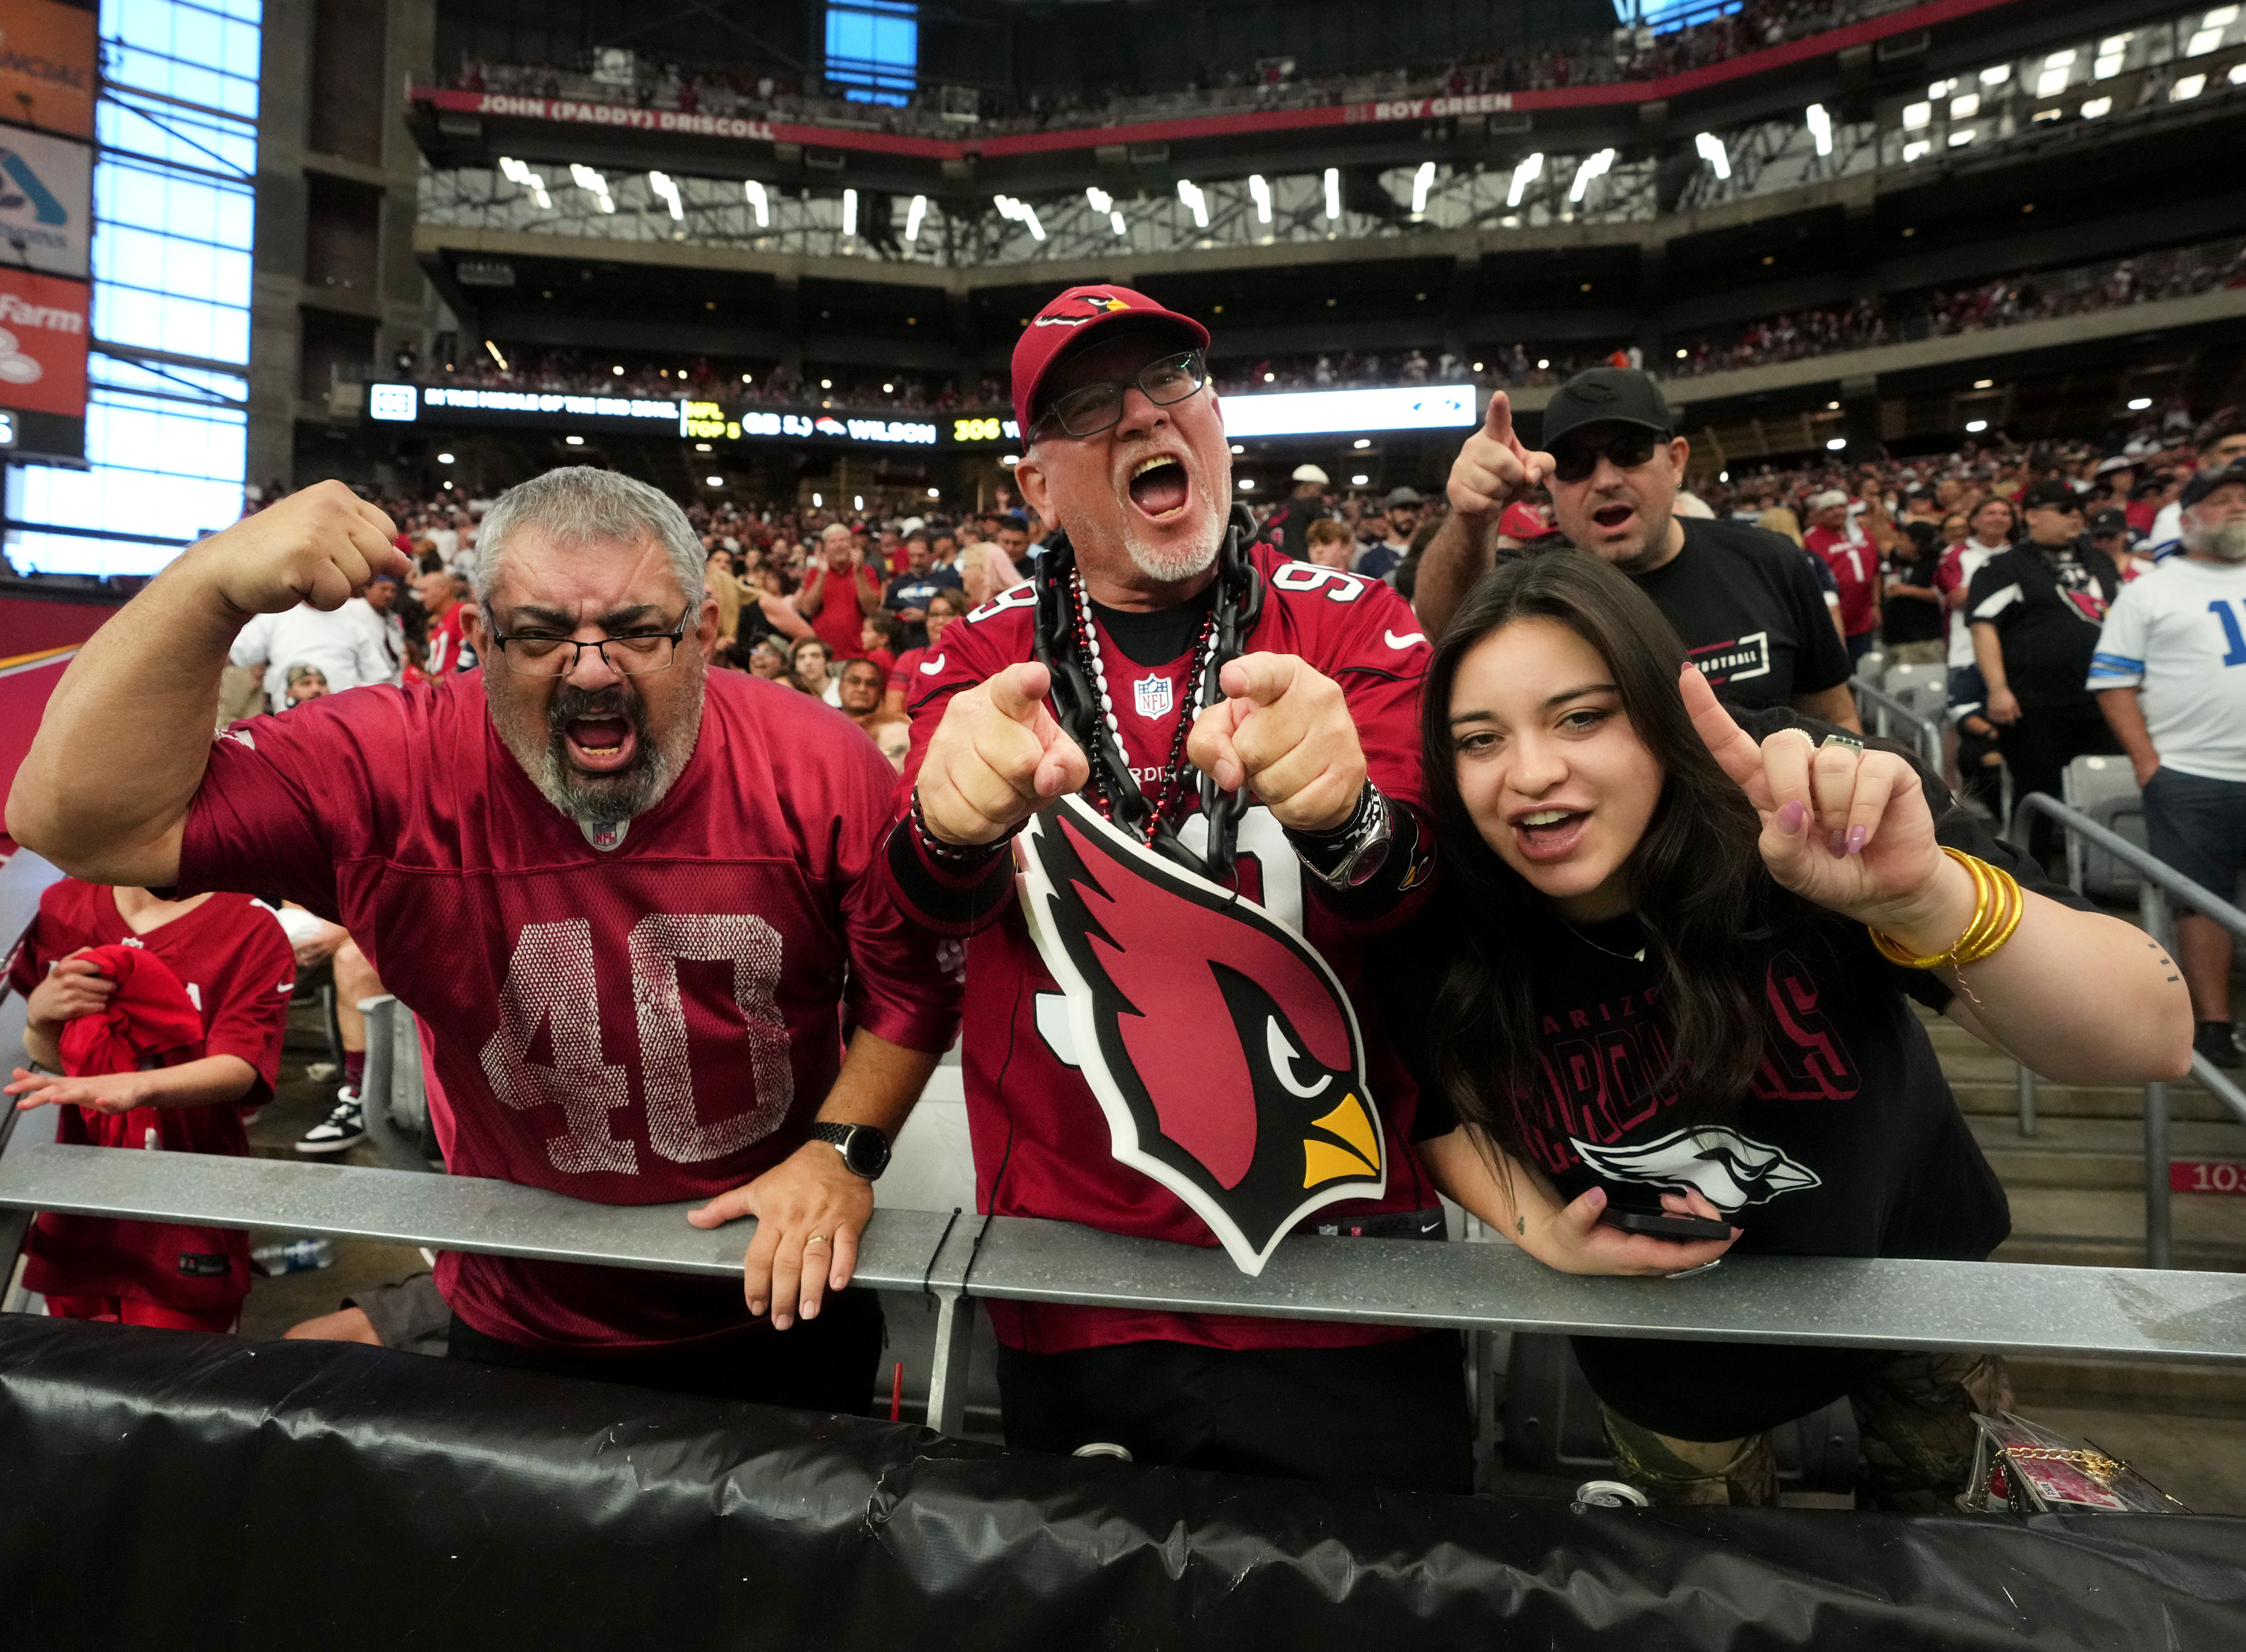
column 164, row 1489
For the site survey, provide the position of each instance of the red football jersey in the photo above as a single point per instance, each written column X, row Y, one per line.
column 235, row 963
column 449, row 648
column 1856, row 571
column 1042, row 1146
column 659, row 1022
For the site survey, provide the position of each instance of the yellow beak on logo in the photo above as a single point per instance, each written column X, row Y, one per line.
column 1323, row 1161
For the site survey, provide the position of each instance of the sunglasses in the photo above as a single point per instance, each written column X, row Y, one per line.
column 1628, row 450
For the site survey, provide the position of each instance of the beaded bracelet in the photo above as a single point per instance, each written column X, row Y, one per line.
column 959, row 856
column 1998, row 905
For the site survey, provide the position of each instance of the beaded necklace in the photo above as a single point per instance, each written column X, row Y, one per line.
column 1068, row 643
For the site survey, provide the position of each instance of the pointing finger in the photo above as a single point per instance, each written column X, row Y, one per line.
column 1259, row 678
column 1498, row 421
column 1019, row 692
column 1732, row 746
column 1210, row 749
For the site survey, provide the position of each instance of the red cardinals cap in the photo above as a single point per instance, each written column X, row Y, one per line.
column 1523, row 522
column 1078, row 314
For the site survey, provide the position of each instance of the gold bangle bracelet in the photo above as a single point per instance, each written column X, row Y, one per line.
column 1998, row 905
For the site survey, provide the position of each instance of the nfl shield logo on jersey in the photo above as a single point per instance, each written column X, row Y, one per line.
column 1154, row 695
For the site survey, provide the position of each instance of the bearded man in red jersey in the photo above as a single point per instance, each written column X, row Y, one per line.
column 628, row 897
column 1166, row 719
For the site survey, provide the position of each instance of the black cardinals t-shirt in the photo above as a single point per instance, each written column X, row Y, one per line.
column 1848, row 1142
column 1751, row 613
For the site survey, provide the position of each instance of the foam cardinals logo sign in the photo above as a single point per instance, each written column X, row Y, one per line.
column 1219, row 1046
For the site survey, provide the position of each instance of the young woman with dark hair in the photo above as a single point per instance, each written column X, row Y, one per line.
column 1675, row 976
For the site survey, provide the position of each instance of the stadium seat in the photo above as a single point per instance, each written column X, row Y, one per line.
column 1923, row 689
column 2105, row 788
column 1873, row 669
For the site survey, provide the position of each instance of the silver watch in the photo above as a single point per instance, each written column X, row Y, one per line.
column 1363, row 851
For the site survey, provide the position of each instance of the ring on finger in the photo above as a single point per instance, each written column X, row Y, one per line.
column 1848, row 740
column 815, row 1238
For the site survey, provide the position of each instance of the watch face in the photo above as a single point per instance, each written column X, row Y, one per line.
column 867, row 1152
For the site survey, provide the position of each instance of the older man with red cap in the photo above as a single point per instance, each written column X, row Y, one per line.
column 1204, row 757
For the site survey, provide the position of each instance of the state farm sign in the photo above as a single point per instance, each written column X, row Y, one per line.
column 43, row 337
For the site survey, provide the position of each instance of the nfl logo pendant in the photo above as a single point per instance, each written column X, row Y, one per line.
column 1154, row 695
column 604, row 834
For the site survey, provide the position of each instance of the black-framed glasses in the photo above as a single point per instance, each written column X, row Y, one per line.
column 1627, row 448
column 628, row 653
column 1090, row 409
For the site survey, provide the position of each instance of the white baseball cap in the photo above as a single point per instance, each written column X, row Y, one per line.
column 1312, row 473
column 1829, row 499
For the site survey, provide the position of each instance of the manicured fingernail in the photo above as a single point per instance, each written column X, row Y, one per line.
column 1836, row 844
column 1856, row 836
column 1596, row 1198
column 781, row 1322
column 756, row 1308
column 1791, row 816
column 811, row 1310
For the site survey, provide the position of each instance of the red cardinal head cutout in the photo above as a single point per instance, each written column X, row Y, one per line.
column 1219, row 1044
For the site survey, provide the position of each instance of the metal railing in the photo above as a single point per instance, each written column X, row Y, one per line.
column 1883, row 714
column 2160, row 881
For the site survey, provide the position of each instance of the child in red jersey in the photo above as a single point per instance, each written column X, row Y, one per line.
column 151, row 1023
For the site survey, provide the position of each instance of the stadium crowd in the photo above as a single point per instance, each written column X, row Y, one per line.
column 1272, row 83
column 1792, row 335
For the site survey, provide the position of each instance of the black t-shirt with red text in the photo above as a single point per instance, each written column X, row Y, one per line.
column 1848, row 1142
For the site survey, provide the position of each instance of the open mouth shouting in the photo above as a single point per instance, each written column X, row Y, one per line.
column 1615, row 517
column 598, row 733
column 1160, row 487
column 1548, row 835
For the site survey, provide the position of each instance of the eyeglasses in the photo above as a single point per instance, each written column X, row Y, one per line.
column 1627, row 449
column 1090, row 409
column 629, row 654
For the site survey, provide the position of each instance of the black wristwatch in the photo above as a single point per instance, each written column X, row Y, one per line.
column 864, row 1149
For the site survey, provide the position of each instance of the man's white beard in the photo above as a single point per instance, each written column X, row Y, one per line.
column 604, row 799
column 2227, row 542
column 1170, row 563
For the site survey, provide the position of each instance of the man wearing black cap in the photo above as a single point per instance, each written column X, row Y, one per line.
column 2109, row 532
column 1143, row 1052
column 1751, row 613
column 2035, row 610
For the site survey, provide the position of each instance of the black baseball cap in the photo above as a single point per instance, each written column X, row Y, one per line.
column 2108, row 521
column 2205, row 482
column 1607, row 396
column 2050, row 496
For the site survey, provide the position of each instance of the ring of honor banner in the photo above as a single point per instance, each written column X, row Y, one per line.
column 1222, row 1048
column 154, row 1485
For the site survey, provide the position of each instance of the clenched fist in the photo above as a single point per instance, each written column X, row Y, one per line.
column 1493, row 469
column 321, row 545
column 996, row 759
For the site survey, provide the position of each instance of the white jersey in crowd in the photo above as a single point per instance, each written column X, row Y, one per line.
column 2178, row 637
column 1970, row 556
column 2167, row 529
column 346, row 645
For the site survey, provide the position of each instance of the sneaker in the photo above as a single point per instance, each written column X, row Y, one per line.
column 344, row 1126
column 2213, row 1040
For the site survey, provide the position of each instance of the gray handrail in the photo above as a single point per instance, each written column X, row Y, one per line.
column 2159, row 882
column 1842, row 1302
column 1926, row 733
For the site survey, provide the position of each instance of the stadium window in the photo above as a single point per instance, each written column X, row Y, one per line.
column 1663, row 16
column 167, row 432
column 872, row 49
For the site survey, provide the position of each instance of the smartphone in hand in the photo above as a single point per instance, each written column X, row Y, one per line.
column 1662, row 1225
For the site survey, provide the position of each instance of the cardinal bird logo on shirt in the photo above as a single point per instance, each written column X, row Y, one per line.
column 1219, row 1046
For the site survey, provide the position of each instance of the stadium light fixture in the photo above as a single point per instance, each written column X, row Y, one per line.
column 1247, row 484
column 1820, row 127
column 574, row 441
column 914, row 215
column 1333, row 192
column 1422, row 181
column 516, row 171
column 1997, row 74
column 665, row 189
column 1593, row 166
column 2096, row 108
column 1259, row 189
column 1916, row 115
column 1115, row 222
column 1523, row 175
column 2187, row 88
column 1021, row 213
column 849, row 212
column 1975, row 427
column 1362, row 442
column 496, row 356
column 1196, row 202
column 817, row 503
column 1712, row 151
column 1914, row 152
column 2237, row 76
column 713, row 481
column 1959, row 139
column 1098, row 199
column 935, row 493
column 593, row 184
column 2202, row 42
column 759, row 203
column 1984, row 384
column 1358, row 481
column 1965, row 105
column 2137, row 404
column 444, row 459
column 857, row 501
column 1836, row 443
